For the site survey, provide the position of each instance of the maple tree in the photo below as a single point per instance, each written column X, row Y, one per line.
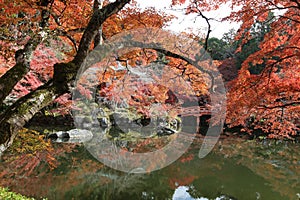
column 37, row 73
column 268, row 100
column 33, row 22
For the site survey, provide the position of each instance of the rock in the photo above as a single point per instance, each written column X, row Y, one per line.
column 104, row 123
column 59, row 134
column 142, row 121
column 165, row 131
column 71, row 136
column 83, row 121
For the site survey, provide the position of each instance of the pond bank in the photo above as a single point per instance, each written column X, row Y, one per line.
column 65, row 122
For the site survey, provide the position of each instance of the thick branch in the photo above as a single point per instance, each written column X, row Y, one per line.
column 297, row 2
column 191, row 62
column 22, row 57
column 22, row 66
column 14, row 118
column 157, row 47
column 93, row 27
column 23, row 110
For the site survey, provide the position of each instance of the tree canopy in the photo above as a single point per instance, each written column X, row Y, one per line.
column 44, row 43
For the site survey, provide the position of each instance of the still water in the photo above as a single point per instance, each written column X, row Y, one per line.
column 235, row 169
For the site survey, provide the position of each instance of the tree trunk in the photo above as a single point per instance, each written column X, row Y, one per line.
column 98, row 4
column 22, row 57
column 17, row 115
column 22, row 111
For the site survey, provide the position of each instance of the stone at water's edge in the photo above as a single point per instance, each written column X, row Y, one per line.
column 71, row 136
column 165, row 131
column 118, row 123
column 133, row 129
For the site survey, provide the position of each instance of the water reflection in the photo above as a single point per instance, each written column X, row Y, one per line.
column 219, row 176
column 182, row 193
column 210, row 178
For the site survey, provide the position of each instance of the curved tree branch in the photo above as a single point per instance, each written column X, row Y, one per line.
column 293, row 103
column 93, row 26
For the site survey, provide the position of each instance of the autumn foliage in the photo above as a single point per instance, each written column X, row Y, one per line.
column 29, row 151
column 268, row 101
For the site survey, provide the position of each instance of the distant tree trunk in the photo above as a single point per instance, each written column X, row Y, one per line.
column 18, row 114
column 98, row 4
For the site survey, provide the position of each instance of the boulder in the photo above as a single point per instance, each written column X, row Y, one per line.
column 71, row 136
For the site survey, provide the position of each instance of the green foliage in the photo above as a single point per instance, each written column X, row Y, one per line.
column 229, row 37
column 219, row 49
column 247, row 49
column 258, row 31
column 7, row 195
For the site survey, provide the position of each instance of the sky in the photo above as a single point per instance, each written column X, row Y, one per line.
column 192, row 22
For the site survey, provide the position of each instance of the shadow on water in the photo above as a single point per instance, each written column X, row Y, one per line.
column 234, row 170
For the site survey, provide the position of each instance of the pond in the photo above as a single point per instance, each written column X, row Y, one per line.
column 235, row 169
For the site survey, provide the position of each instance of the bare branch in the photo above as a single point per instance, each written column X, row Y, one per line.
column 297, row 2
column 207, row 22
column 65, row 33
column 293, row 103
